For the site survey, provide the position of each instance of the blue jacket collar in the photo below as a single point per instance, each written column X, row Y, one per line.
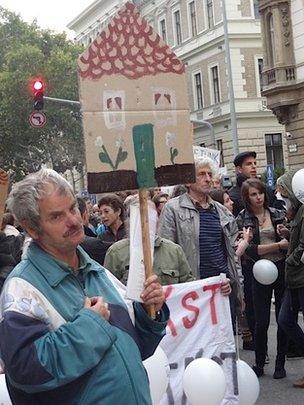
column 52, row 269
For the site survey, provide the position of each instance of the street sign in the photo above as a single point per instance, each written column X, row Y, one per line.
column 270, row 177
column 37, row 119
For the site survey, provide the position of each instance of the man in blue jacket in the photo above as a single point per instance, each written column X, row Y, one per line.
column 66, row 334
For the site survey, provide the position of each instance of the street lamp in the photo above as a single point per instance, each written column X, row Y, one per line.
column 235, row 141
column 210, row 126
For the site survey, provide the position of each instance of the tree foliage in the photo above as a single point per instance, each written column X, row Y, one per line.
column 26, row 51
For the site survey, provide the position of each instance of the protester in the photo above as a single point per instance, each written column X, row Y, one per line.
column 8, row 225
column 85, row 214
column 160, row 199
column 294, row 295
column 169, row 263
column 204, row 229
column 222, row 197
column 95, row 247
column 65, row 332
column 94, row 218
column 111, row 210
column 246, row 167
column 178, row 190
column 265, row 244
column 10, row 254
column 217, row 182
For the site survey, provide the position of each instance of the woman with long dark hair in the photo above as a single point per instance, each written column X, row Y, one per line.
column 265, row 244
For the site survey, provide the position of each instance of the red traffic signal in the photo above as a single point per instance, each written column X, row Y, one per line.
column 38, row 90
column 38, row 85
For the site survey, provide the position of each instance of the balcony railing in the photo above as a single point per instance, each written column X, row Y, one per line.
column 279, row 76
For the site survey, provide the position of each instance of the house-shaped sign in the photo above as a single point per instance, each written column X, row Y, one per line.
column 134, row 102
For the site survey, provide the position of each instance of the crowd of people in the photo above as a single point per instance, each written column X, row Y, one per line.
column 60, row 289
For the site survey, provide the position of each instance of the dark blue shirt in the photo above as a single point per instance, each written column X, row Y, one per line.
column 213, row 258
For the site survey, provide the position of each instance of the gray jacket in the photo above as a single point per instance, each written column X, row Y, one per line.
column 180, row 223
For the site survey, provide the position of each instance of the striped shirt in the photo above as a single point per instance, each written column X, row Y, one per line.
column 213, row 258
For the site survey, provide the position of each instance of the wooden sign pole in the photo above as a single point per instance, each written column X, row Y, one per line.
column 144, row 219
column 3, row 192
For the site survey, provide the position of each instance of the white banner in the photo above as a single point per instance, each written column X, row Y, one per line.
column 213, row 154
column 199, row 326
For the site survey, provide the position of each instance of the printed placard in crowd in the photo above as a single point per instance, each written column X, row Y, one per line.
column 199, row 326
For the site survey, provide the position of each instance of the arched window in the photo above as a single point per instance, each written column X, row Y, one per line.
column 271, row 41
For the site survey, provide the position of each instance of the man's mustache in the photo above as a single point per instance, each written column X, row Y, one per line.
column 72, row 230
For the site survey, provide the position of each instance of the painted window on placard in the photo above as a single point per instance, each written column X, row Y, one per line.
column 164, row 105
column 113, row 107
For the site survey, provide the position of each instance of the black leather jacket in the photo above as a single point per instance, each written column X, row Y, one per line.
column 246, row 219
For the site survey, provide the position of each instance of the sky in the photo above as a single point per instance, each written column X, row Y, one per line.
column 52, row 14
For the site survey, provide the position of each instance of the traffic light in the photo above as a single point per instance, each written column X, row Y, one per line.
column 38, row 88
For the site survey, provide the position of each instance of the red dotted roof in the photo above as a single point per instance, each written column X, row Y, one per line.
column 128, row 46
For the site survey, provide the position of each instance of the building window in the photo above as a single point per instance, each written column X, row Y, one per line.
column 198, row 90
column 260, row 70
column 178, row 28
column 256, row 9
column 163, row 31
column 271, row 44
column 274, row 150
column 219, row 146
column 215, row 84
column 209, row 8
column 192, row 12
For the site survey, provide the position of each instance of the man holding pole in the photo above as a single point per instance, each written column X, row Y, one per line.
column 66, row 334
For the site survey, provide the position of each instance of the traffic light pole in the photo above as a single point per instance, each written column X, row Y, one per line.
column 62, row 100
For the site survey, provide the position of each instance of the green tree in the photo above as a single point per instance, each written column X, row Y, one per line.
column 26, row 51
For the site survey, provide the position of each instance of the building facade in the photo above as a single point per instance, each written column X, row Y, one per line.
column 283, row 71
column 194, row 29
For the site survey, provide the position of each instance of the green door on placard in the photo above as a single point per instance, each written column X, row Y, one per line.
column 143, row 141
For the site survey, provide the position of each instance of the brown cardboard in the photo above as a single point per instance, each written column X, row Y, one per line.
column 4, row 181
column 134, row 101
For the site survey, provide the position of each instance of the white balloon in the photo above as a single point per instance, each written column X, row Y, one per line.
column 265, row 271
column 4, row 397
column 248, row 383
column 204, row 382
column 298, row 185
column 158, row 369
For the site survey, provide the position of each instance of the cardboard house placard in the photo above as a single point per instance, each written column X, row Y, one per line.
column 135, row 110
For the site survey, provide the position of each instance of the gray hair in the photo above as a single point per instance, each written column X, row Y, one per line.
column 23, row 200
column 206, row 161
